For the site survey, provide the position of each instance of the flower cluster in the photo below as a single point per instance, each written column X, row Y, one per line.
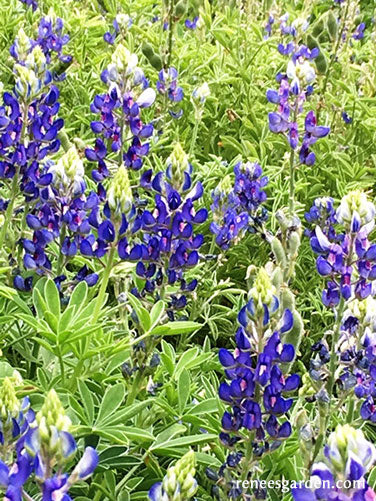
column 237, row 209
column 112, row 221
column 347, row 258
column 179, row 483
column 38, row 446
column 29, row 125
column 167, row 86
column 51, row 40
column 357, row 347
column 192, row 24
column 31, row 3
column 295, row 87
column 121, row 23
column 359, row 32
column 169, row 245
column 257, row 387
column 348, row 457
column 120, row 122
column 61, row 213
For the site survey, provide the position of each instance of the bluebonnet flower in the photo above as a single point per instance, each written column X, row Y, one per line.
column 169, row 244
column 336, row 251
column 192, row 24
column 346, row 118
column 257, row 387
column 110, row 225
column 61, row 212
column 297, row 27
column 120, row 23
column 178, row 483
column 31, row 3
column 29, row 126
column 37, row 444
column 359, row 32
column 120, row 110
column 51, row 40
column 348, row 457
column 167, row 85
column 295, row 87
column 313, row 132
column 15, row 416
column 268, row 27
column 237, row 209
column 51, row 445
column 199, row 96
column 357, row 347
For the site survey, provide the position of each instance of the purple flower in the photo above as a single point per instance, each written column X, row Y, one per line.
column 192, row 25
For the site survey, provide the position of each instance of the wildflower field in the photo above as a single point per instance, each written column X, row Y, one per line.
column 187, row 250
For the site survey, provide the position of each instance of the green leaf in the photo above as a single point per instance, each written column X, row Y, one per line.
column 170, row 433
column 39, row 303
column 173, row 328
column 156, row 313
column 66, row 318
column 123, row 415
column 186, row 441
column 79, row 295
column 51, row 295
column 5, row 369
column 185, row 359
column 207, row 406
column 112, row 400
column 142, row 314
column 87, row 401
column 183, row 389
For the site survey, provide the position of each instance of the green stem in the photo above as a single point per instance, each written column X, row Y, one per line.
column 135, row 388
column 61, row 255
column 9, row 211
column 350, row 411
column 324, row 419
column 292, row 170
column 194, row 138
column 334, row 55
column 15, row 182
column 62, row 368
column 333, row 356
column 103, row 287
column 170, row 32
column 247, row 457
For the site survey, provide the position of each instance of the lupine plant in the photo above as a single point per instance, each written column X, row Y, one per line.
column 187, row 250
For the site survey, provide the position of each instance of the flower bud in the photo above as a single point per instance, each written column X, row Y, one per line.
column 123, row 60
column 355, row 210
column 119, row 193
column 294, row 243
column 52, row 415
column 307, row 389
column 28, row 84
column 301, row 72
column 22, row 45
column 263, row 291
column 347, row 443
column 177, row 165
column 179, row 483
column 201, row 93
column 36, row 60
column 9, row 403
column 69, row 171
column 123, row 21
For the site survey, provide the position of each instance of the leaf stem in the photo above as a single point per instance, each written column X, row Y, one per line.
column 103, row 287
